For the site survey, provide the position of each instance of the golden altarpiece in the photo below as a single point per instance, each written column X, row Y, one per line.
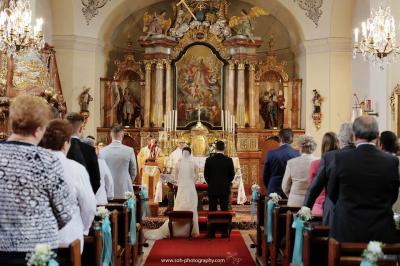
column 194, row 72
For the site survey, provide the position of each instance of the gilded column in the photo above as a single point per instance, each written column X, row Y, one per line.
column 168, row 87
column 158, row 104
column 252, row 96
column 241, row 103
column 231, row 88
column 147, row 99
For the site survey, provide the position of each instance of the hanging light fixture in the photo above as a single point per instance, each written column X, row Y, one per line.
column 378, row 38
column 16, row 30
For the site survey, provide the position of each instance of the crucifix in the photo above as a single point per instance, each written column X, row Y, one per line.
column 183, row 2
column 198, row 113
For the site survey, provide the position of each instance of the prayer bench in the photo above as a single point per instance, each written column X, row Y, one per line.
column 180, row 217
column 219, row 218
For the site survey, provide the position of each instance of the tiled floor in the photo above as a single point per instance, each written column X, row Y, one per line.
column 245, row 235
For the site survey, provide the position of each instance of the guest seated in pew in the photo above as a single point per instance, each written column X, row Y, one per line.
column 57, row 138
column 389, row 143
column 106, row 189
column 363, row 187
column 35, row 199
column 294, row 183
column 325, row 169
column 186, row 199
column 330, row 142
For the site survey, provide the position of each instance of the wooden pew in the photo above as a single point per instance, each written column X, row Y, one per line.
column 350, row 253
column 315, row 245
column 93, row 246
column 69, row 255
column 279, row 228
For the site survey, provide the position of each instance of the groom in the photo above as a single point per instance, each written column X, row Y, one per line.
column 219, row 173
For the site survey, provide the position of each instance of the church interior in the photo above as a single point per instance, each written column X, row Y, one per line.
column 196, row 72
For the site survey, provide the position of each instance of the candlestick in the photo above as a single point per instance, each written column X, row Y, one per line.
column 176, row 119
column 356, row 35
column 222, row 120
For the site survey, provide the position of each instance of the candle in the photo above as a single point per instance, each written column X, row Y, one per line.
column 222, row 120
column 356, row 35
column 364, row 29
column 233, row 124
column 165, row 122
column 176, row 120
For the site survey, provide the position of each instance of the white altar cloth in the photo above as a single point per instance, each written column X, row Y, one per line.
column 200, row 162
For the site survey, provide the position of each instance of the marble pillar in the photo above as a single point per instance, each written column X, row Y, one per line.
column 230, row 105
column 147, row 91
column 241, row 96
column 168, row 88
column 158, row 93
column 252, row 97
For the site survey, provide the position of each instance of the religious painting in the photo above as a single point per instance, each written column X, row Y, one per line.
column 199, row 81
column 30, row 74
column 272, row 104
column 121, row 101
column 3, row 74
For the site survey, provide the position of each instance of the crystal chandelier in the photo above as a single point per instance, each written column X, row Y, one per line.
column 378, row 38
column 16, row 31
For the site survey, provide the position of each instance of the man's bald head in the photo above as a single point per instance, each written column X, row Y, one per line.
column 365, row 128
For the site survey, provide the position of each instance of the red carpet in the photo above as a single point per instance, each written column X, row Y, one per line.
column 200, row 251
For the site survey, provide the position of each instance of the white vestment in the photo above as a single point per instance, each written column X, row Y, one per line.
column 186, row 200
column 106, row 189
column 175, row 156
column 78, row 180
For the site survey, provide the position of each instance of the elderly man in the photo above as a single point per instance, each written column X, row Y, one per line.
column 364, row 185
column 325, row 168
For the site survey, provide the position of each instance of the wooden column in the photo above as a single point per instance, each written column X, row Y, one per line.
column 252, row 97
column 147, row 99
column 168, row 87
column 158, row 105
column 241, row 103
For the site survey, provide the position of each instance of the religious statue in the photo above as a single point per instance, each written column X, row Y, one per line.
column 269, row 110
column 244, row 24
column 3, row 91
column 127, row 107
column 155, row 24
column 181, row 24
column 84, row 99
column 138, row 121
column 281, row 108
column 317, row 100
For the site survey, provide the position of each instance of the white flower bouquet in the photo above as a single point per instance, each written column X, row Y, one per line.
column 275, row 197
column 41, row 256
column 102, row 212
column 304, row 213
column 255, row 187
column 373, row 252
column 128, row 195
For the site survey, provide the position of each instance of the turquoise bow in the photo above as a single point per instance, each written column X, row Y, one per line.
column 298, row 224
column 145, row 198
column 365, row 262
column 254, row 197
column 106, row 256
column 52, row 262
column 268, row 213
column 132, row 227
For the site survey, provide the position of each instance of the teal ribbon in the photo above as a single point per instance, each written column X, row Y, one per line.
column 254, row 197
column 268, row 213
column 298, row 224
column 132, row 227
column 365, row 262
column 52, row 262
column 145, row 198
column 106, row 256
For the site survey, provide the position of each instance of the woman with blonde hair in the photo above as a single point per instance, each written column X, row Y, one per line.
column 35, row 199
column 294, row 183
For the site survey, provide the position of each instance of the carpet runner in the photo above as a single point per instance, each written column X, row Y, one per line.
column 200, row 251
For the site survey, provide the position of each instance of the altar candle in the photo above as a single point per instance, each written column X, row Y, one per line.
column 222, row 120
column 233, row 124
column 176, row 120
column 356, row 35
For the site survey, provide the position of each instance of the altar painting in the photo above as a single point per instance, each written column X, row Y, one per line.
column 199, row 86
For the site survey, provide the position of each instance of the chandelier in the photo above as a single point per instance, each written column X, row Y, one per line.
column 16, row 31
column 378, row 38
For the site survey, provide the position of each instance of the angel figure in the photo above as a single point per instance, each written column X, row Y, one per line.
column 84, row 99
column 155, row 24
column 244, row 24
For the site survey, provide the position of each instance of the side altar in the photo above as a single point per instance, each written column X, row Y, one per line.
column 201, row 78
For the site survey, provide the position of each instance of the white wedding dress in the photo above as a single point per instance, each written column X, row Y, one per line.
column 186, row 200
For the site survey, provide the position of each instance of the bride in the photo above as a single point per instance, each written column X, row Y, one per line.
column 186, row 199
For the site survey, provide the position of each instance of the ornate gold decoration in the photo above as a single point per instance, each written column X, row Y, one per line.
column 3, row 70
column 201, row 35
column 247, row 142
column 394, row 105
column 272, row 65
column 129, row 64
column 30, row 71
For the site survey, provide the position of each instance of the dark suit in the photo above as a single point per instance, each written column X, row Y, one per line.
column 320, row 182
column 275, row 166
column 363, row 185
column 219, row 172
column 86, row 155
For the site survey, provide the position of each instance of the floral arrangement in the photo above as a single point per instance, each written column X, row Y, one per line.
column 275, row 197
column 255, row 188
column 372, row 253
column 102, row 212
column 304, row 213
column 41, row 256
column 397, row 220
column 213, row 149
column 128, row 195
